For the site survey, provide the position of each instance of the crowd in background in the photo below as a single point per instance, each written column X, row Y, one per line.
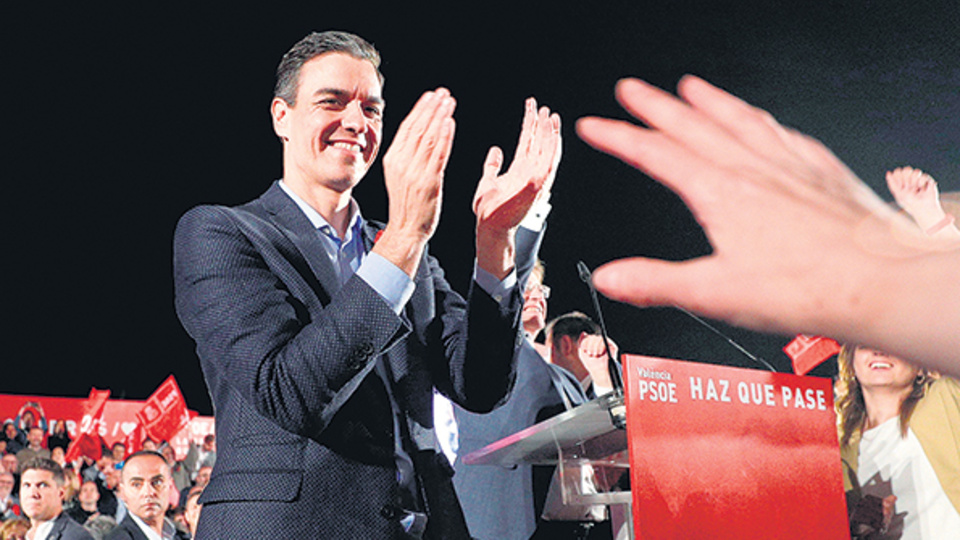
column 90, row 496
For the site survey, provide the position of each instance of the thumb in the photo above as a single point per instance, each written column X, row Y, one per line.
column 493, row 163
column 491, row 169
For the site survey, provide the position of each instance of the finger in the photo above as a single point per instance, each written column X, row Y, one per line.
column 557, row 147
column 416, row 120
column 431, row 150
column 527, row 131
column 664, row 112
column 533, row 166
column 651, row 282
column 440, row 154
column 426, row 126
column 755, row 128
column 662, row 158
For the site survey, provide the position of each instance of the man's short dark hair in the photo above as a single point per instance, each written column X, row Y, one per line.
column 44, row 464
column 142, row 453
column 571, row 324
column 312, row 46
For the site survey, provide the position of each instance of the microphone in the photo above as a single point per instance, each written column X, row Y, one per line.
column 615, row 404
column 736, row 345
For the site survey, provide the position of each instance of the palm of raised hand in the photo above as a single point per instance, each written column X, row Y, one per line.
column 502, row 200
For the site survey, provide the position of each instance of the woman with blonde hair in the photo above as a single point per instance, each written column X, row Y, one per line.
column 14, row 529
column 899, row 429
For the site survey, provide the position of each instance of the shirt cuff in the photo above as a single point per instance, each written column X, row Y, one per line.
column 497, row 289
column 537, row 215
column 390, row 282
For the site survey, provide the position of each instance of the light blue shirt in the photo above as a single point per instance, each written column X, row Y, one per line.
column 349, row 257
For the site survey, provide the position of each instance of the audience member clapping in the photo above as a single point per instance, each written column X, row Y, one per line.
column 900, row 441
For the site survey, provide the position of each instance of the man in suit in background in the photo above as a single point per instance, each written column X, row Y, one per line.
column 322, row 335
column 145, row 489
column 506, row 504
column 41, row 498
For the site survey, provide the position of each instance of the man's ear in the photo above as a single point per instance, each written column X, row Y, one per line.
column 568, row 346
column 279, row 110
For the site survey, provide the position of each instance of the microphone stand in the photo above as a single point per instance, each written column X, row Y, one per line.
column 615, row 404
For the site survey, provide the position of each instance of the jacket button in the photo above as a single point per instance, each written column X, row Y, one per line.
column 389, row 511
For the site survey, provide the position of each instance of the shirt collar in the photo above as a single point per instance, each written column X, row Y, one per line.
column 316, row 219
column 168, row 529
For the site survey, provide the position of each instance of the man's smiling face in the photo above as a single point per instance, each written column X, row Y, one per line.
column 332, row 132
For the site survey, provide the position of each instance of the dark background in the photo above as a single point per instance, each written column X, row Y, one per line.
column 118, row 119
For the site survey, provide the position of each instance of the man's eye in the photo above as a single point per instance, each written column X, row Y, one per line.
column 331, row 102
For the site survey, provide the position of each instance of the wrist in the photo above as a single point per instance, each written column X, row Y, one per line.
column 402, row 248
column 945, row 222
column 496, row 251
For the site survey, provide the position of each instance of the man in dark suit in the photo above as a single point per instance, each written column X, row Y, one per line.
column 321, row 335
column 506, row 504
column 41, row 498
column 145, row 488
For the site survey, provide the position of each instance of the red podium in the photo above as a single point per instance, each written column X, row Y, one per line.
column 713, row 452
column 719, row 452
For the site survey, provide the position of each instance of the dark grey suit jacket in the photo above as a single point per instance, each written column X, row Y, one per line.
column 305, row 427
column 127, row 530
column 65, row 528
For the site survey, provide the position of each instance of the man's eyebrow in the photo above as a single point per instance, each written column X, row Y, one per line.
column 343, row 94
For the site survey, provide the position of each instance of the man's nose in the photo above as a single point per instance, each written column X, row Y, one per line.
column 353, row 118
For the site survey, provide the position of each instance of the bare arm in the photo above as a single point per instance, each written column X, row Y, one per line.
column 801, row 245
column 916, row 192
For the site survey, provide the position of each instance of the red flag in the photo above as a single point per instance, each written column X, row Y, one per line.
column 88, row 442
column 165, row 413
column 133, row 442
column 808, row 352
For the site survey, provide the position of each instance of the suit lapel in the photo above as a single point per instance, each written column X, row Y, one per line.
column 290, row 219
column 58, row 525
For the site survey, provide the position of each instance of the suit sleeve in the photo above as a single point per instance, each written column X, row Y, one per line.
column 491, row 338
column 258, row 322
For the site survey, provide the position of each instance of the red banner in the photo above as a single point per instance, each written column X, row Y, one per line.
column 133, row 442
column 726, row 453
column 87, row 442
column 119, row 418
column 165, row 412
column 808, row 352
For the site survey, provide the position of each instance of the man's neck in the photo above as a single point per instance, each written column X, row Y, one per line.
column 333, row 206
column 156, row 525
column 36, row 524
column 36, row 448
